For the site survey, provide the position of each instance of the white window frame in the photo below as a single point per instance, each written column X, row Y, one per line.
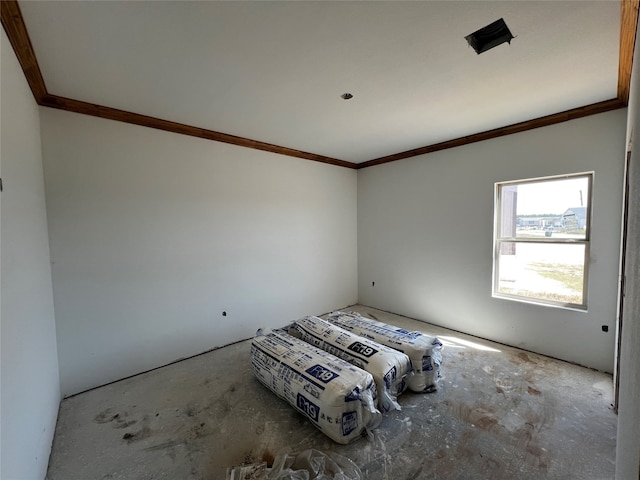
column 498, row 240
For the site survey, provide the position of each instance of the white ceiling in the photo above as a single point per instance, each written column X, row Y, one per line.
column 274, row 71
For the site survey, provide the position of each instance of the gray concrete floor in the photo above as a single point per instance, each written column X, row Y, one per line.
column 500, row 413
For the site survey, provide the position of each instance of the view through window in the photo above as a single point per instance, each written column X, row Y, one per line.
column 542, row 240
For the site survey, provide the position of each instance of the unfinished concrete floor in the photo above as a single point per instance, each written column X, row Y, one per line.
column 500, row 413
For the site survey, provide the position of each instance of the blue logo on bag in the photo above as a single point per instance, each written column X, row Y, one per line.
column 412, row 335
column 362, row 349
column 307, row 407
column 321, row 373
column 426, row 363
column 389, row 377
column 349, row 422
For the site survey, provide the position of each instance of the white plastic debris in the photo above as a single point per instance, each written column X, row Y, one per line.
column 256, row 471
column 338, row 398
column 319, row 465
column 425, row 352
column 388, row 367
column 308, row 465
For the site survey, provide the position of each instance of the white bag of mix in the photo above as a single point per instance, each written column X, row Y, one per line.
column 425, row 352
column 388, row 367
column 338, row 398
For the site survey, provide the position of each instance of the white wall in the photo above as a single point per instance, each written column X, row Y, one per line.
column 628, row 440
column 425, row 237
column 30, row 386
column 154, row 235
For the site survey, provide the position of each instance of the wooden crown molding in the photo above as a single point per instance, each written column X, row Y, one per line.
column 16, row 30
column 14, row 26
column 628, row 27
column 71, row 105
column 565, row 116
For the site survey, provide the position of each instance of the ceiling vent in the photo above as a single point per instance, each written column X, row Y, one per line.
column 490, row 36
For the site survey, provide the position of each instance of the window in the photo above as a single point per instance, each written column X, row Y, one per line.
column 541, row 247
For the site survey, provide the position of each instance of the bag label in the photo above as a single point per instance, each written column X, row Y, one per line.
column 390, row 377
column 426, row 363
column 307, row 407
column 362, row 349
column 409, row 334
column 321, row 373
column 349, row 422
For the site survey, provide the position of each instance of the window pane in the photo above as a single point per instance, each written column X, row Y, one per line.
column 548, row 208
column 542, row 271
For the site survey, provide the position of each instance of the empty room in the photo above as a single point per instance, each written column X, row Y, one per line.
column 186, row 186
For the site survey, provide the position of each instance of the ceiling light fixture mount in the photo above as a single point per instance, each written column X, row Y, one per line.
column 346, row 96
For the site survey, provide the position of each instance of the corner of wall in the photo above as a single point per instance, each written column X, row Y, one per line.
column 30, row 387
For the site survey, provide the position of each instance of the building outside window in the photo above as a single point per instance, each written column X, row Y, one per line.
column 541, row 240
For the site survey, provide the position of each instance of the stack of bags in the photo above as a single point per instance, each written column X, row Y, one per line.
column 343, row 372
